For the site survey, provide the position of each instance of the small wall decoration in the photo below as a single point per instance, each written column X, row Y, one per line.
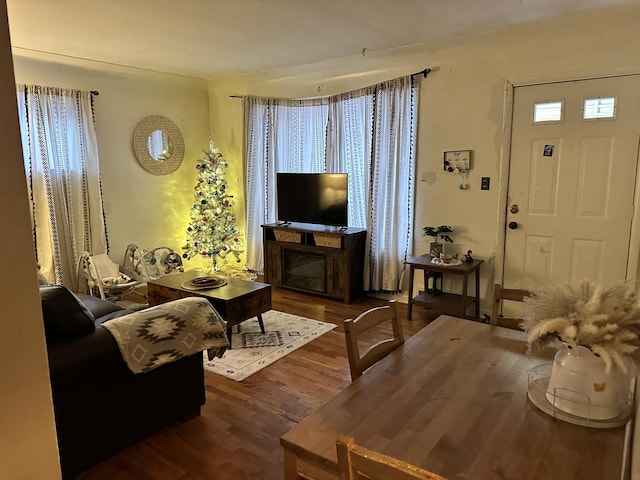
column 548, row 151
column 459, row 162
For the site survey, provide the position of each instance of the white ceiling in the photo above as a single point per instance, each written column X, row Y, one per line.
column 211, row 38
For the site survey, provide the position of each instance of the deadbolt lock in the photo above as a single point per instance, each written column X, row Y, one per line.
column 514, row 208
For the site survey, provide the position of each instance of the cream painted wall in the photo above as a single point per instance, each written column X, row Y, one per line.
column 141, row 208
column 28, row 446
column 462, row 106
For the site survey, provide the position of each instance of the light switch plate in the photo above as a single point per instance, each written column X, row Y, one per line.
column 457, row 160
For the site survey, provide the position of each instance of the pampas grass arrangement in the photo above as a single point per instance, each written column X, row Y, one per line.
column 603, row 318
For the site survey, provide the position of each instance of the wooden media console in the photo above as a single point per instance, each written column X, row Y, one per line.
column 318, row 259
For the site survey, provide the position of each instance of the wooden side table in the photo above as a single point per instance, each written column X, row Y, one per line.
column 447, row 303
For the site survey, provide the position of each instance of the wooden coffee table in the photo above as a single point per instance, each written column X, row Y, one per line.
column 236, row 301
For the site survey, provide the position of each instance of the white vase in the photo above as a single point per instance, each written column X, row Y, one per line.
column 580, row 385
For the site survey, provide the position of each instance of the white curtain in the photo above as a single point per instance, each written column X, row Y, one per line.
column 61, row 160
column 349, row 137
column 371, row 135
column 282, row 136
column 390, row 222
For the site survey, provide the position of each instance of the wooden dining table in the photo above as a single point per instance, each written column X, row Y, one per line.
column 453, row 400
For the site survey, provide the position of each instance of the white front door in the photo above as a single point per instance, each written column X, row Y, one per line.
column 572, row 181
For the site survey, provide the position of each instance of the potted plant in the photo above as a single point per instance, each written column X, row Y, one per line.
column 598, row 330
column 435, row 247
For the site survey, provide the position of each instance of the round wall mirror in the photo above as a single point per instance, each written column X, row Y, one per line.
column 158, row 145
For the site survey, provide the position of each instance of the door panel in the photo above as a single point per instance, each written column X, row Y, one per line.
column 573, row 183
column 544, row 180
column 594, row 171
column 586, row 249
column 538, row 253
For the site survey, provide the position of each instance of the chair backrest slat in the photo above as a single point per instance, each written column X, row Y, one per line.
column 500, row 294
column 354, row 460
column 366, row 321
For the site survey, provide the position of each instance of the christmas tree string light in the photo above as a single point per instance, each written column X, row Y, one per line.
column 212, row 233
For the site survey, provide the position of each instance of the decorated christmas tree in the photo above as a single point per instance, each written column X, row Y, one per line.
column 212, row 232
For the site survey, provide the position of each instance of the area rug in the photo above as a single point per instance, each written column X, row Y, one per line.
column 252, row 350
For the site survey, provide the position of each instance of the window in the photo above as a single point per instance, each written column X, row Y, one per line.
column 338, row 135
column 63, row 173
column 601, row 107
column 547, row 112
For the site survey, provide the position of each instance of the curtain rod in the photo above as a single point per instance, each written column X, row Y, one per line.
column 95, row 92
column 424, row 72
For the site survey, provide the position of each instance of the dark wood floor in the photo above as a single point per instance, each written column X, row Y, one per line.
column 237, row 436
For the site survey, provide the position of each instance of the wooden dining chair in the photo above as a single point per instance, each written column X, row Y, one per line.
column 357, row 463
column 500, row 294
column 354, row 329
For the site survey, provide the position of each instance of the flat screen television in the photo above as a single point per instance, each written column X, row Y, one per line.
column 319, row 198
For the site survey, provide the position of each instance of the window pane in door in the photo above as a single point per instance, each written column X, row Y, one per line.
column 599, row 108
column 547, row 112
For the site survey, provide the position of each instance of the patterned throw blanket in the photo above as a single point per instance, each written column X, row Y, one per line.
column 164, row 333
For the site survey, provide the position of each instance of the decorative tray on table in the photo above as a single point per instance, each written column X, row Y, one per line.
column 539, row 395
column 453, row 263
column 207, row 282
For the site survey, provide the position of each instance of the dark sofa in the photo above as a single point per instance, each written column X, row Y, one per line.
column 100, row 406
